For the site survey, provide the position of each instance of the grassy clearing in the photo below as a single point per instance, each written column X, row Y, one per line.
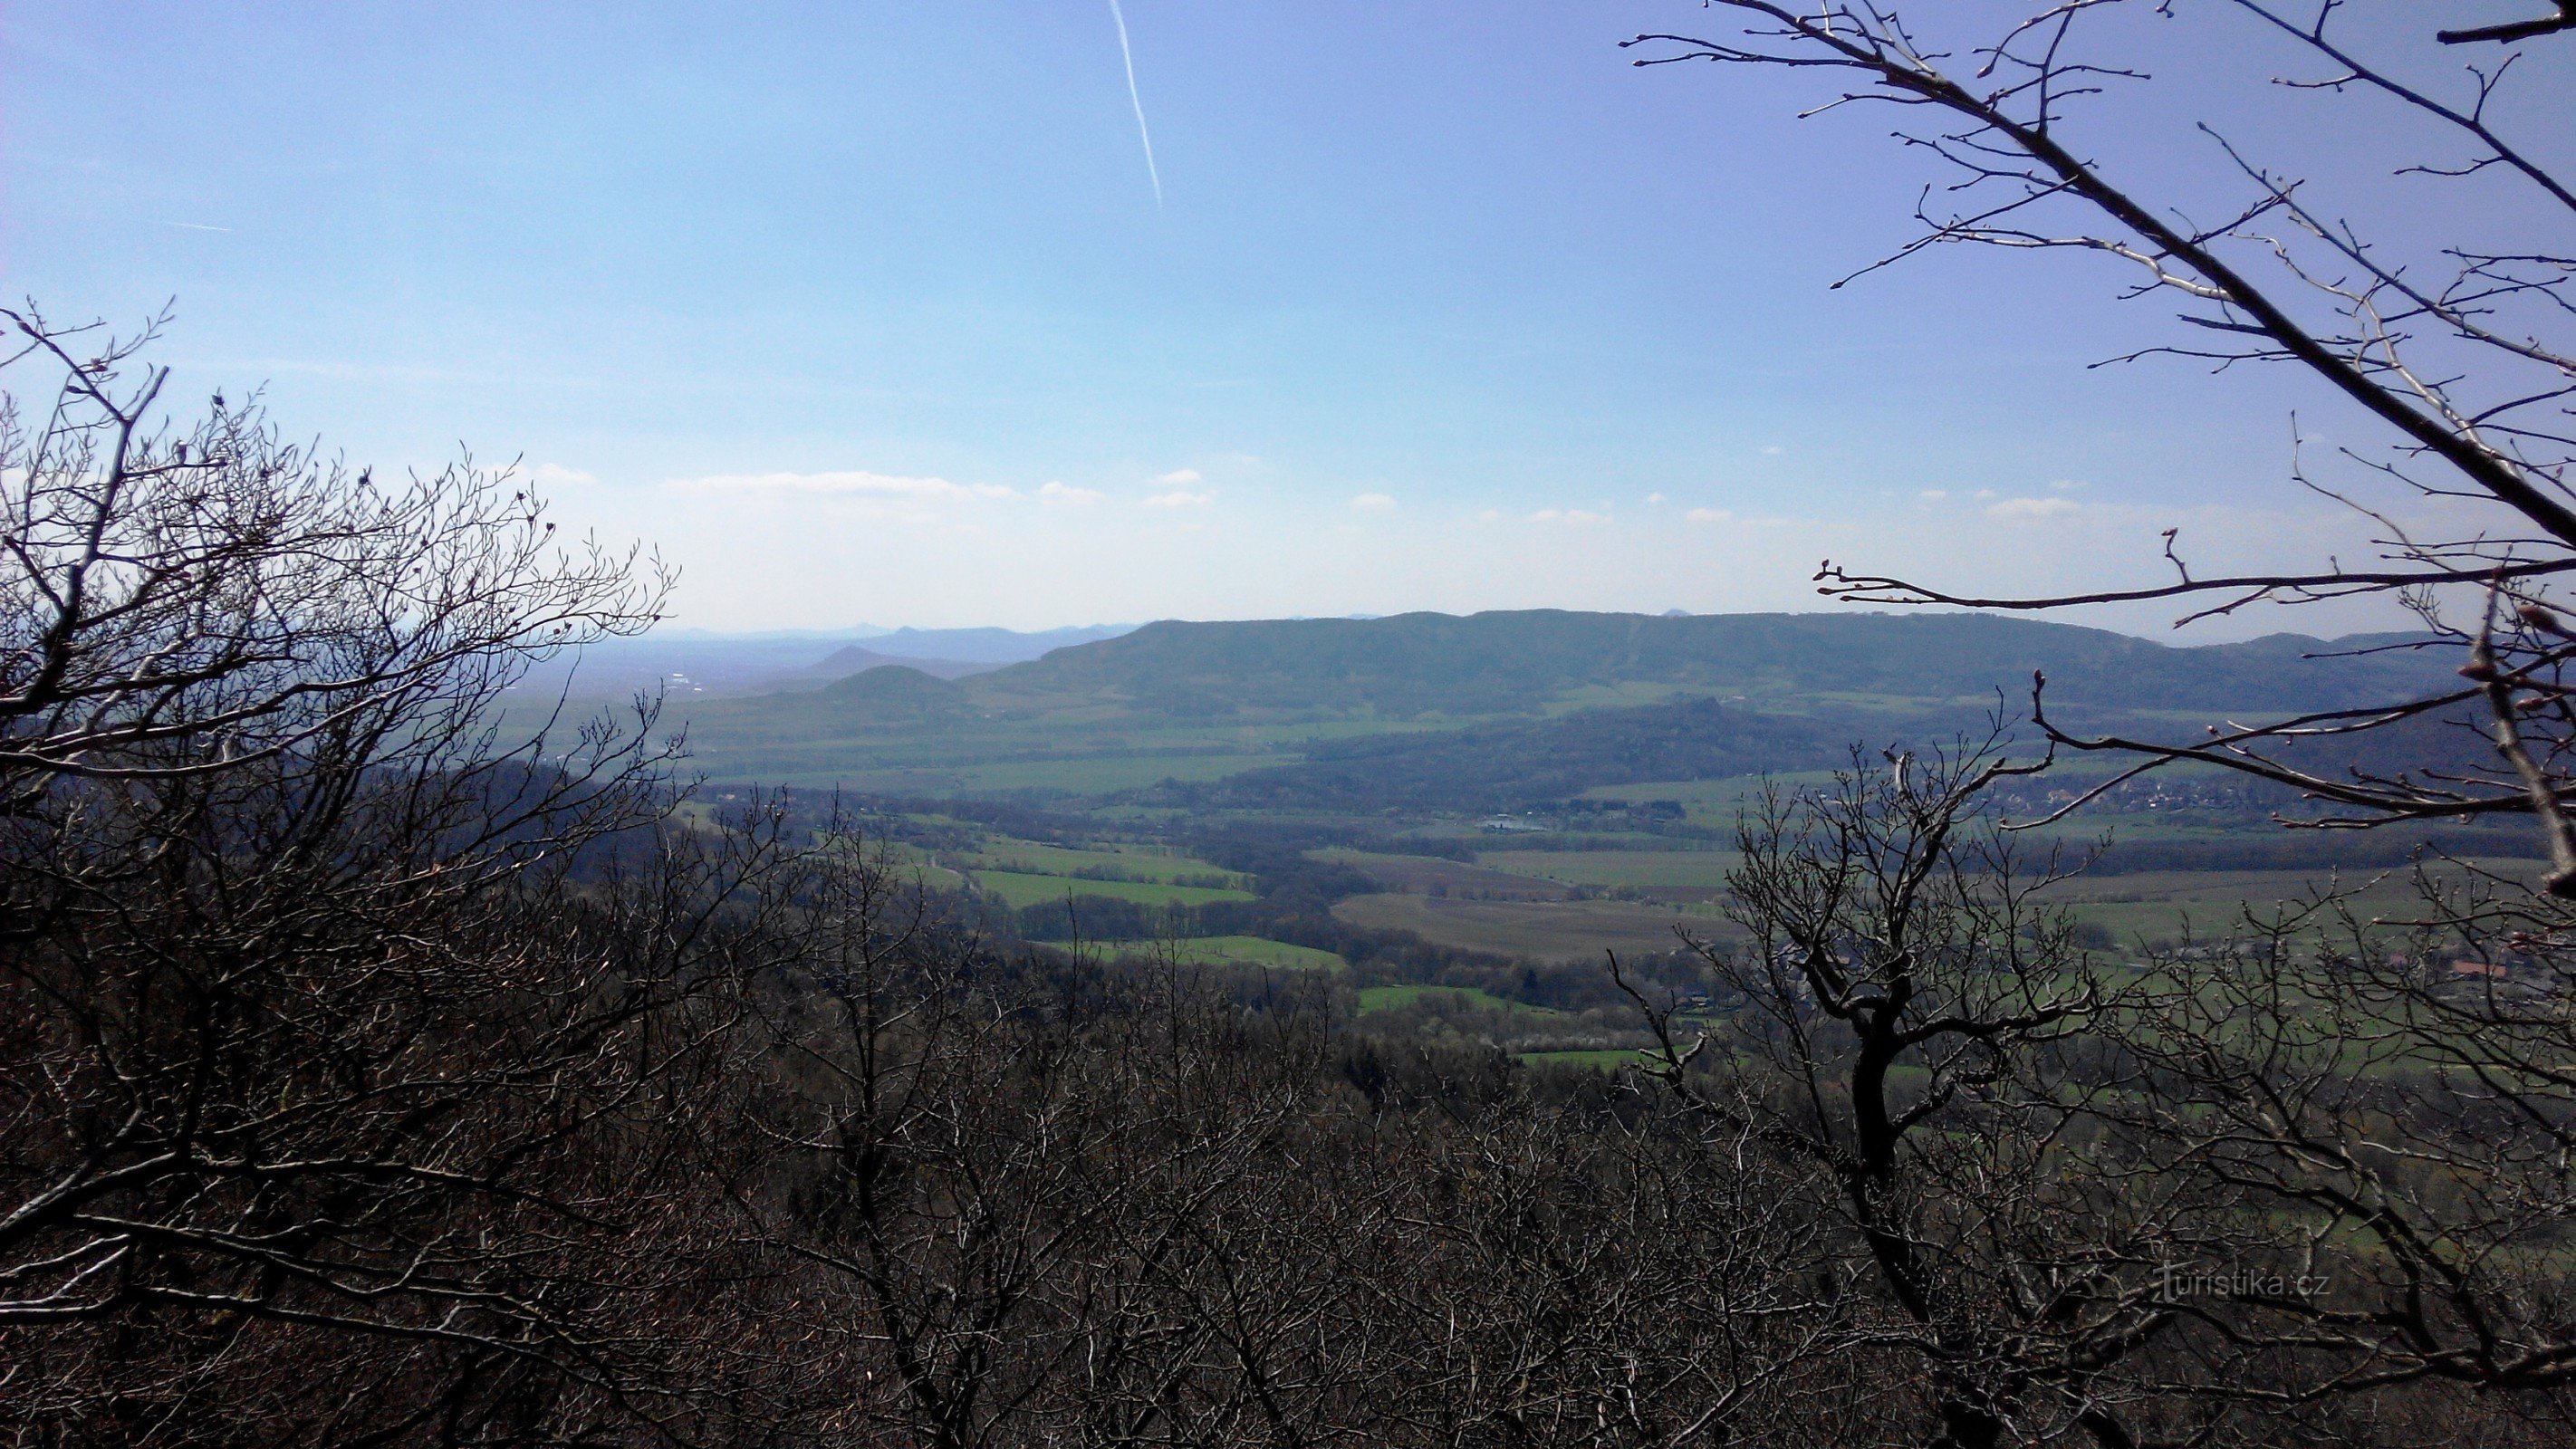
column 1147, row 863
column 1710, row 802
column 1106, row 775
column 1530, row 930
column 1609, row 1060
column 1019, row 889
column 1389, row 998
column 1720, row 802
column 2212, row 904
column 1087, row 776
column 1613, row 696
column 1255, row 951
column 1644, row 869
column 911, row 862
column 1430, row 875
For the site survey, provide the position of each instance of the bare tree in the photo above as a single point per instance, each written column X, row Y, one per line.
column 1581, row 1278
column 345, row 1044
column 184, row 601
column 2460, row 350
column 1904, row 1025
column 2361, row 1123
column 2391, row 1111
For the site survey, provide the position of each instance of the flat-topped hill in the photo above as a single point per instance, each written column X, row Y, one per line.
column 1505, row 662
column 1601, row 697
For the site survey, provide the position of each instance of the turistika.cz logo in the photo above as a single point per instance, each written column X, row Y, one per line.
column 2176, row 1282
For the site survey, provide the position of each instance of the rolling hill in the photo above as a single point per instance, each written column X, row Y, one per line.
column 1432, row 711
column 1507, row 662
column 858, row 659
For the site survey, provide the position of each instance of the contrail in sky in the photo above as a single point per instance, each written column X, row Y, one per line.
column 1138, row 102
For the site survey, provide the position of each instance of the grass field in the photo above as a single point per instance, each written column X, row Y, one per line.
column 1643, row 869
column 1388, row 998
column 1255, row 951
column 1528, row 930
column 910, row 862
column 1019, row 889
column 1707, row 802
column 2207, row 905
column 1069, row 747
column 1601, row 1061
column 1425, row 875
column 1097, row 775
column 1137, row 862
column 2143, row 907
column 1720, row 803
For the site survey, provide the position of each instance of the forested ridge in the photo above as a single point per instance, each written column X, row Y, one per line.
column 1512, row 660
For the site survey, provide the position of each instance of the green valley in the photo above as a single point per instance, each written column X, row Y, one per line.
column 1538, row 786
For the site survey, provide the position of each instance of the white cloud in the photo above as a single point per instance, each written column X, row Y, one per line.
column 1933, row 495
column 1179, row 498
column 1568, row 515
column 1773, row 450
column 1984, row 493
column 2031, row 508
column 879, row 485
column 1373, row 503
column 1491, row 515
column 1059, row 493
column 556, row 475
column 1180, row 477
column 2064, row 484
column 1654, row 498
column 1710, row 515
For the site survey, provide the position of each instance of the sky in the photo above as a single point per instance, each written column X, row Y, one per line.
column 880, row 314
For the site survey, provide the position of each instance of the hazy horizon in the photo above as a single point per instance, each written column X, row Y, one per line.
column 863, row 632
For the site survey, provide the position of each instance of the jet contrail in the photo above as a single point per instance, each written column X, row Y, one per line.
column 1138, row 102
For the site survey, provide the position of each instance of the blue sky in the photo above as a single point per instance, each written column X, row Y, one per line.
column 869, row 313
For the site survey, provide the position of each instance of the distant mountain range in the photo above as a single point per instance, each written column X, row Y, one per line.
column 1413, row 665
column 987, row 646
column 1445, row 712
column 859, row 658
column 1410, row 665
column 693, row 663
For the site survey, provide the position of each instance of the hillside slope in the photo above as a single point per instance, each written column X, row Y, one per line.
column 1327, row 699
column 1509, row 662
column 858, row 659
column 1513, row 763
